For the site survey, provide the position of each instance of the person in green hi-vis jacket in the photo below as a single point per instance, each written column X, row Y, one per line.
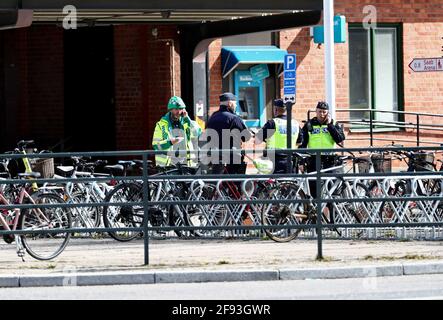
column 176, row 132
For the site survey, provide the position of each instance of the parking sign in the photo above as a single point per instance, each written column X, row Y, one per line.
column 289, row 75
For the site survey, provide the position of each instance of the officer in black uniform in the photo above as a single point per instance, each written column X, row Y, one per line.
column 227, row 124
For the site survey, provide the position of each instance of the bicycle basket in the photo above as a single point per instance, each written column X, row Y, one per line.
column 382, row 163
column 45, row 167
column 424, row 161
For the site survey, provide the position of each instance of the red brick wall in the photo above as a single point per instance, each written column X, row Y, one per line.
column 130, row 94
column 45, row 75
column 215, row 80
column 34, row 80
column 145, row 79
column 422, row 22
column 422, row 33
column 422, row 38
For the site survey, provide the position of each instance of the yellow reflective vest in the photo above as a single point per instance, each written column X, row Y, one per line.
column 163, row 134
column 279, row 139
column 320, row 138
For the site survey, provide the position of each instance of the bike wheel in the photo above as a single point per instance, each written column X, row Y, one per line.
column 84, row 217
column 202, row 215
column 350, row 212
column 45, row 246
column 285, row 214
column 389, row 210
column 124, row 216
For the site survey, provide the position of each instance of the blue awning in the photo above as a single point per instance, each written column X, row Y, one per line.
column 232, row 56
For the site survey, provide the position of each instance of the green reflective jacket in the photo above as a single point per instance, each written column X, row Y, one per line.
column 163, row 134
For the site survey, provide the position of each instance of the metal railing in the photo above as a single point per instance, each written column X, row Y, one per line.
column 371, row 123
column 319, row 200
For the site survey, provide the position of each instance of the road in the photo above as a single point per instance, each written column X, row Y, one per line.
column 403, row 287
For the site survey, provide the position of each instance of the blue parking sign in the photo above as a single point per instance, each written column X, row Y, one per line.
column 289, row 75
column 290, row 62
column 288, row 90
column 289, row 78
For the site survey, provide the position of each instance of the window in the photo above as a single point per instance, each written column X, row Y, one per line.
column 374, row 81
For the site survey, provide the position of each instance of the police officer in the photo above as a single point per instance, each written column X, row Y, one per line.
column 175, row 131
column 274, row 133
column 321, row 132
column 231, row 132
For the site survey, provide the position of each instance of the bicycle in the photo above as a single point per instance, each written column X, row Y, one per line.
column 229, row 214
column 159, row 215
column 305, row 212
column 40, row 247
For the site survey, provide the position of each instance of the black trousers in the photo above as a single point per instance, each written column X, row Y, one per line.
column 326, row 161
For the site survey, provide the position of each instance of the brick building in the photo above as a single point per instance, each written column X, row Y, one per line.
column 103, row 86
column 403, row 30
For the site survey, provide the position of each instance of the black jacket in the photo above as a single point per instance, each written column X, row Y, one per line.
column 222, row 121
column 334, row 129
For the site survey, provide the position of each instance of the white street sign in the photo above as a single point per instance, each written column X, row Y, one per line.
column 427, row 65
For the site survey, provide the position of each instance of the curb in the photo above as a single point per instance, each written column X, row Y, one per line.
column 87, row 279
column 342, row 272
column 127, row 277
column 216, row 276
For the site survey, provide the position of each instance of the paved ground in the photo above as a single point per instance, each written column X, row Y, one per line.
column 109, row 255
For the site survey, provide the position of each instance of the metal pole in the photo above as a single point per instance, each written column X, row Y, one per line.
column 145, row 207
column 328, row 21
column 371, row 131
column 319, row 205
column 418, row 130
column 289, row 134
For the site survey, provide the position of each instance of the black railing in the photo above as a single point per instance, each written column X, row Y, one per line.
column 146, row 202
column 371, row 124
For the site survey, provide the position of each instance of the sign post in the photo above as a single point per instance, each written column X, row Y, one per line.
column 426, row 64
column 289, row 89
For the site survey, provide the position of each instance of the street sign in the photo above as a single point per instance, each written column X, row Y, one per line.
column 339, row 31
column 289, row 78
column 426, row 64
column 259, row 72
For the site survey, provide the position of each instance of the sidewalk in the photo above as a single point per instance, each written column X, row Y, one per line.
column 225, row 260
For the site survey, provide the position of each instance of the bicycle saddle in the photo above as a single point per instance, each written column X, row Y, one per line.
column 126, row 163
column 65, row 170
column 115, row 169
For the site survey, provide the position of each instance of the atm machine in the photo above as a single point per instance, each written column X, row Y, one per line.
column 251, row 98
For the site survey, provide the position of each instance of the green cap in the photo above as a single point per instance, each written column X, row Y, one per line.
column 176, row 103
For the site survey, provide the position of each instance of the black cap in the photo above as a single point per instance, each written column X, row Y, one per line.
column 227, row 96
column 279, row 103
column 323, row 105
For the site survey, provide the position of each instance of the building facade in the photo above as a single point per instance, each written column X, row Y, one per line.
column 104, row 87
